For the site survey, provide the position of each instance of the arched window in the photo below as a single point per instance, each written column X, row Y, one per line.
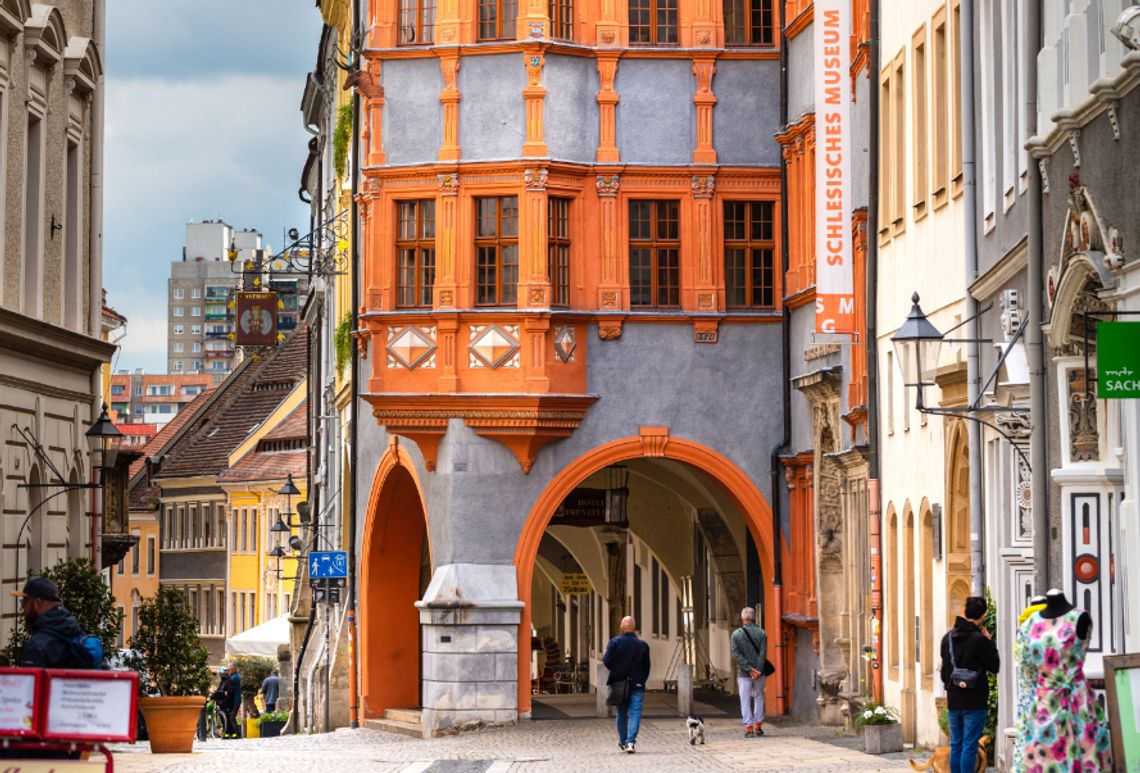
column 890, row 589
column 926, row 641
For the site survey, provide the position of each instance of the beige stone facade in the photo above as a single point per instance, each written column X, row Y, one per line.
column 51, row 352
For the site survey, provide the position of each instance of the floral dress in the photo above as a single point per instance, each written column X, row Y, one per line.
column 1061, row 728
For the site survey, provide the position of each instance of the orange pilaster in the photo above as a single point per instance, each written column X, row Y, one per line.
column 446, row 243
column 609, row 289
column 704, row 186
column 607, row 108
column 534, row 96
column 704, row 67
column 449, row 98
column 534, row 284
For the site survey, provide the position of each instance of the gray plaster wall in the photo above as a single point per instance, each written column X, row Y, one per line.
column 571, row 111
column 725, row 396
column 747, row 112
column 801, row 75
column 656, row 120
column 807, row 666
column 193, row 566
column 1010, row 226
column 492, row 123
column 412, row 116
column 861, row 141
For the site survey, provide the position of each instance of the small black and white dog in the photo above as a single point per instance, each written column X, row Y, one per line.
column 696, row 727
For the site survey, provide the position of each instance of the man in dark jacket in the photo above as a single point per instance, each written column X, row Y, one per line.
column 627, row 657
column 973, row 650
column 53, row 629
column 228, row 698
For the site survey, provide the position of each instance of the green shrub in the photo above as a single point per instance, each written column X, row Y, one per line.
column 83, row 592
column 342, row 342
column 274, row 716
column 168, row 652
column 991, row 624
column 341, row 137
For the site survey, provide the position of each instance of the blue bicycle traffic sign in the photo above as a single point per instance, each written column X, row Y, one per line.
column 328, row 563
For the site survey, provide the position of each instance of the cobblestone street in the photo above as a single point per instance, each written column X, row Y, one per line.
column 562, row 746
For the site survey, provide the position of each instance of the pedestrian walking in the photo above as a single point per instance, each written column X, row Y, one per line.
column 968, row 654
column 228, row 698
column 56, row 640
column 269, row 690
column 750, row 651
column 627, row 658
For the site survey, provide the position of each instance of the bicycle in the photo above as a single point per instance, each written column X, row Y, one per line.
column 215, row 725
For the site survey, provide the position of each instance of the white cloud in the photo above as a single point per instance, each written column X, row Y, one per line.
column 231, row 146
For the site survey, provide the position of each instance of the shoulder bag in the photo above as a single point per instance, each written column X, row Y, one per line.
column 619, row 693
column 768, row 669
column 962, row 678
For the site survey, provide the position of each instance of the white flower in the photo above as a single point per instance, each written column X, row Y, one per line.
column 867, row 714
column 880, row 710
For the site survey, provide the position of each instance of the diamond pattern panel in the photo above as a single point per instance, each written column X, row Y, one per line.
column 411, row 347
column 564, row 343
column 494, row 346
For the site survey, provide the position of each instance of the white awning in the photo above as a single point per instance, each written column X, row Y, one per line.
column 261, row 640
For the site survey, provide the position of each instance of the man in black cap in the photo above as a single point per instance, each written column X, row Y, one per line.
column 53, row 629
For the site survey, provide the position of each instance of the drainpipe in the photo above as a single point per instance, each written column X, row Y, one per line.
column 973, row 382
column 874, row 502
column 353, row 684
column 95, row 242
column 785, row 348
column 1033, row 339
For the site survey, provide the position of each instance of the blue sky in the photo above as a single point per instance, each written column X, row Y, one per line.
column 203, row 120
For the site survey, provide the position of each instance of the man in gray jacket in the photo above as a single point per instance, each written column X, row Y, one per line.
column 750, row 651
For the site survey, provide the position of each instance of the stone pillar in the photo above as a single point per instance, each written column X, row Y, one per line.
column 684, row 690
column 601, row 692
column 470, row 619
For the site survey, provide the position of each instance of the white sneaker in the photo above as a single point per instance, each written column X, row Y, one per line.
column 630, row 748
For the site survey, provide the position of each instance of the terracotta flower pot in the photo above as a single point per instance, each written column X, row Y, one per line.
column 171, row 722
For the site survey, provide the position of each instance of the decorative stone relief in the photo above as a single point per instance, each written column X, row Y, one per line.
column 703, row 186
column 1084, row 438
column 411, row 347
column 494, row 346
column 448, row 183
column 535, row 179
column 565, row 343
column 607, row 185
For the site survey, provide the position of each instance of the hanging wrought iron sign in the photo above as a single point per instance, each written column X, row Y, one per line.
column 256, row 316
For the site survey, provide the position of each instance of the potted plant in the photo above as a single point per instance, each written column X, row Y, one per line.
column 173, row 675
column 272, row 722
column 882, row 732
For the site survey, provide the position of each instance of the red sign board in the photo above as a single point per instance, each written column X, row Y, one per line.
column 19, row 702
column 89, row 705
column 256, row 314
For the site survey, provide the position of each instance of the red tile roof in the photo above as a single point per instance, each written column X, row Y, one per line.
column 243, row 402
column 292, row 427
column 144, row 494
column 267, row 465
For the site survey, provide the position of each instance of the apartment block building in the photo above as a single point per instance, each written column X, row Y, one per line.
column 154, row 399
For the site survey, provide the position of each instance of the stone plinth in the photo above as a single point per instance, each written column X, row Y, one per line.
column 469, row 617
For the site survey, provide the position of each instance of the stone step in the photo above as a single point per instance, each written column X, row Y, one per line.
column 393, row 726
column 411, row 716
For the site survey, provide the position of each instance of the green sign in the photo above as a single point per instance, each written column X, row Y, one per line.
column 1118, row 359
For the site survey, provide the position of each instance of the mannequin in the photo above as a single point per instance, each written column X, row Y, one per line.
column 1056, row 605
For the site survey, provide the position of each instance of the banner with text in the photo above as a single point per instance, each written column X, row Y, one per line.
column 834, row 291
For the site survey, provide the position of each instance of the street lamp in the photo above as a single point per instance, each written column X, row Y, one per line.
column 99, row 437
column 917, row 345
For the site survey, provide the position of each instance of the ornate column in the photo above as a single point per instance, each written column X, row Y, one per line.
column 367, row 85
column 705, row 287
column 534, row 95
column 534, row 21
column 449, row 97
column 446, row 284
column 534, row 284
column 609, row 289
column 704, row 67
column 607, row 108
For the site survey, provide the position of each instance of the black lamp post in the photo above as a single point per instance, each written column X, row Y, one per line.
column 100, row 436
column 917, row 345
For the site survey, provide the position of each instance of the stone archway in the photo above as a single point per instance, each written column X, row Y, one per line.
column 395, row 540
column 654, row 442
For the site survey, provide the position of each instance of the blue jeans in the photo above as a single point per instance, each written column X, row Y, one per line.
column 629, row 716
column 966, row 728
